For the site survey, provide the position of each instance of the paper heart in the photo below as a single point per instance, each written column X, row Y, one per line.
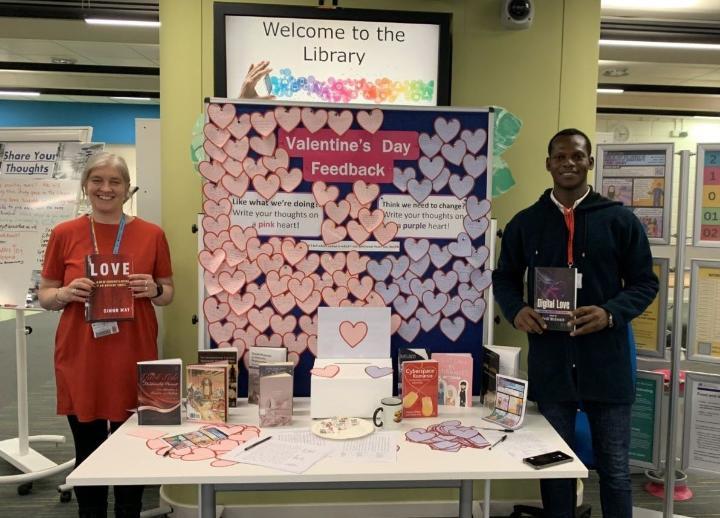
column 461, row 186
column 430, row 146
column 251, row 270
column 416, row 249
column 266, row 187
column 340, row 122
column 239, row 235
column 287, row 118
column 402, row 176
column 369, row 220
column 213, row 171
column 434, row 302
column 260, row 318
column 427, row 320
column 463, row 270
column 340, row 278
column 237, row 149
column 283, row 303
column 419, row 190
column 217, row 136
column 473, row 309
column 223, row 446
column 478, row 256
column 464, row 432
column 419, row 435
column 467, row 292
column 215, row 192
column 310, row 304
column 283, row 325
column 308, row 324
column 221, row 332
column 461, row 247
column 356, row 232
column 439, row 256
column 399, row 265
column 384, row 233
column 323, row 193
column 241, row 304
column 387, row 292
column 255, row 248
column 409, row 330
column 309, row 264
column 233, row 256
column 277, row 284
column 418, row 287
column 365, row 193
column 329, row 371
column 294, row 358
column 370, row 122
column 333, row 297
column 405, row 306
column 294, row 252
column 213, row 241
column 475, row 166
column 240, row 321
column 353, row 332
column 212, row 286
column 289, row 180
column 360, row 287
column 274, row 340
column 233, row 167
column 356, row 263
column 452, row 328
column 254, row 168
column 214, row 209
column 296, row 344
column 222, row 296
column 221, row 116
column 211, row 261
column 441, row 181
column 277, row 161
column 337, row 211
column 263, row 123
column 248, row 336
column 419, row 267
column 481, row 279
column 332, row 233
column 445, row 281
column 452, row 307
column 376, row 372
column 239, row 127
column 379, row 270
column 214, row 311
column 475, row 229
column 313, row 120
column 454, row 153
column 231, row 282
column 475, row 140
column 446, row 129
column 301, row 289
column 237, row 186
column 476, row 208
column 269, row 263
column 198, row 453
column 355, row 205
column 214, row 152
column 276, row 243
column 395, row 321
column 331, row 263
column 374, row 300
column 263, row 145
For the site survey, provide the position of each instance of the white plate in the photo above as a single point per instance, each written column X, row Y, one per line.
column 340, row 428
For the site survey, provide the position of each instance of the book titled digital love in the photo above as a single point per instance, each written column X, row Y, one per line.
column 111, row 298
column 555, row 296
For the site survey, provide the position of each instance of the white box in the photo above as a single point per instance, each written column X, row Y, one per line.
column 345, row 387
column 353, row 332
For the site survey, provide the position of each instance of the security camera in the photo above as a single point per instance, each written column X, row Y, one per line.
column 517, row 14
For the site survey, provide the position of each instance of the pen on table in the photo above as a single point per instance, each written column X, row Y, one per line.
column 171, row 448
column 259, row 442
column 506, row 430
column 501, row 439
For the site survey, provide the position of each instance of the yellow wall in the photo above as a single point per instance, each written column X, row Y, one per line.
column 545, row 75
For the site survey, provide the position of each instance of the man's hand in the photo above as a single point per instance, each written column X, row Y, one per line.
column 530, row 321
column 254, row 74
column 589, row 319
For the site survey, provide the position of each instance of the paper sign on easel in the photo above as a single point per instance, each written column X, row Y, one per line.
column 353, row 332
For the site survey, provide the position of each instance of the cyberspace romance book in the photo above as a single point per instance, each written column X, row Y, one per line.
column 555, row 296
column 111, row 298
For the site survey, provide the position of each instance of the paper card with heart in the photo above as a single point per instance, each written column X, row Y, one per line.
column 353, row 332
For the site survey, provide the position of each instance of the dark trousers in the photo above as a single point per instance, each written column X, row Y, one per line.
column 93, row 500
column 610, row 430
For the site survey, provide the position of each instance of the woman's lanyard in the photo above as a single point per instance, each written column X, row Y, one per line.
column 118, row 236
column 569, row 216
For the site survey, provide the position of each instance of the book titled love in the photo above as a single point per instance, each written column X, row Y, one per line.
column 159, row 386
column 111, row 298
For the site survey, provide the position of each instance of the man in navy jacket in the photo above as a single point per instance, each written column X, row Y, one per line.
column 573, row 226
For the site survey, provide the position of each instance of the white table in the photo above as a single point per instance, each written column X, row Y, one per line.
column 125, row 460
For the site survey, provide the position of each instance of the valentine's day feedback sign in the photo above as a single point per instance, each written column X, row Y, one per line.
column 309, row 206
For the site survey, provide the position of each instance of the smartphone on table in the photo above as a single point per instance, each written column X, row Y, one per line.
column 546, row 460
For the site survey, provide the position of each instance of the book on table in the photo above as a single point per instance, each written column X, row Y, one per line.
column 490, row 369
column 275, row 404
column 111, row 299
column 207, row 392
column 455, row 377
column 407, row 354
column 230, row 355
column 420, row 388
column 159, row 387
column 555, row 296
column 257, row 356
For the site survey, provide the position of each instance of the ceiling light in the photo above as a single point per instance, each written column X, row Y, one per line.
column 63, row 61
column 610, row 90
column 650, row 5
column 660, row 44
column 126, row 23
column 11, row 92
column 131, row 98
column 615, row 72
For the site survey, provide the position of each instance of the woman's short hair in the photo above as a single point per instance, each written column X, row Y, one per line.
column 105, row 159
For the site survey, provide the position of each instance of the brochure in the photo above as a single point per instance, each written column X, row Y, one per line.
column 510, row 401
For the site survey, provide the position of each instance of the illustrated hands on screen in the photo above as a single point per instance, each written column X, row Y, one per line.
column 255, row 73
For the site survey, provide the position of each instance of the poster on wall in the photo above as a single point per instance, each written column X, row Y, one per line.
column 39, row 187
column 649, row 327
column 645, row 421
column 639, row 176
column 704, row 317
column 701, row 425
column 334, row 55
column 317, row 205
column 706, row 230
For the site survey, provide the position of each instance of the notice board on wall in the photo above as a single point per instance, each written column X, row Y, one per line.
column 316, row 205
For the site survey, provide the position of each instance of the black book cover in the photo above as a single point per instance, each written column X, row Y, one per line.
column 490, row 368
column 555, row 296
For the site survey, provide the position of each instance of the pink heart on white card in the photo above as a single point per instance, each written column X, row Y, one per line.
column 353, row 332
column 329, row 371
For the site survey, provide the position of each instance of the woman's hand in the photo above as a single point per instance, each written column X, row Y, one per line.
column 143, row 285
column 77, row 291
column 254, row 74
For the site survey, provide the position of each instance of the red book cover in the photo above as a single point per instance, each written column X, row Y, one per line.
column 159, row 385
column 420, row 388
column 111, row 299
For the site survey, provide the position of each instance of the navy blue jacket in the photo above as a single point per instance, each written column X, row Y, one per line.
column 612, row 253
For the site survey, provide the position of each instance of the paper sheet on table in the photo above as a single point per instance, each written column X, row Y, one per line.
column 376, row 447
column 146, row 433
column 524, row 443
column 280, row 455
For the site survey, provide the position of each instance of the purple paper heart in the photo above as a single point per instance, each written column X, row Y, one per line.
column 452, row 423
column 481, row 279
column 464, row 432
column 476, row 209
column 419, row 190
column 379, row 270
column 409, row 330
column 418, row 287
column 434, row 302
column 473, row 310
column 445, row 281
column 467, row 292
column 427, row 321
column 478, row 256
column 439, row 256
column 454, row 153
column 475, row 140
column 461, row 186
column 405, row 306
column 399, row 265
column 475, row 229
column 430, row 146
column 441, row 181
column 446, row 129
column 387, row 292
column 452, row 307
column 463, row 270
column 419, row 267
column 404, row 283
column 461, row 247
column 450, row 446
column 452, row 328
column 478, row 441
column 416, row 249
column 419, row 435
column 475, row 165
column 431, row 168
column 378, row 372
column 402, row 176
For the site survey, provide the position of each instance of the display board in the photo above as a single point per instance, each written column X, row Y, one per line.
column 701, row 425
column 39, row 187
column 645, row 420
column 335, row 55
column 649, row 328
column 639, row 176
column 308, row 206
column 704, row 317
column 706, row 229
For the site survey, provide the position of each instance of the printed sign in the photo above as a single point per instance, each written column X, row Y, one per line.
column 707, row 196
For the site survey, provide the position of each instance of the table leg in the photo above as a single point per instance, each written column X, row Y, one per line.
column 486, row 500
column 206, row 501
column 466, row 499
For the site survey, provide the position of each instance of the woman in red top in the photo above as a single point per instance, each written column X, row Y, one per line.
column 95, row 364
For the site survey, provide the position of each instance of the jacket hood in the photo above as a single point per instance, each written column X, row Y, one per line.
column 593, row 201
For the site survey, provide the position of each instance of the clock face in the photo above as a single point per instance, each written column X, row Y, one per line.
column 621, row 133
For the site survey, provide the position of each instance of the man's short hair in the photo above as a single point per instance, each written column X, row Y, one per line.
column 570, row 132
